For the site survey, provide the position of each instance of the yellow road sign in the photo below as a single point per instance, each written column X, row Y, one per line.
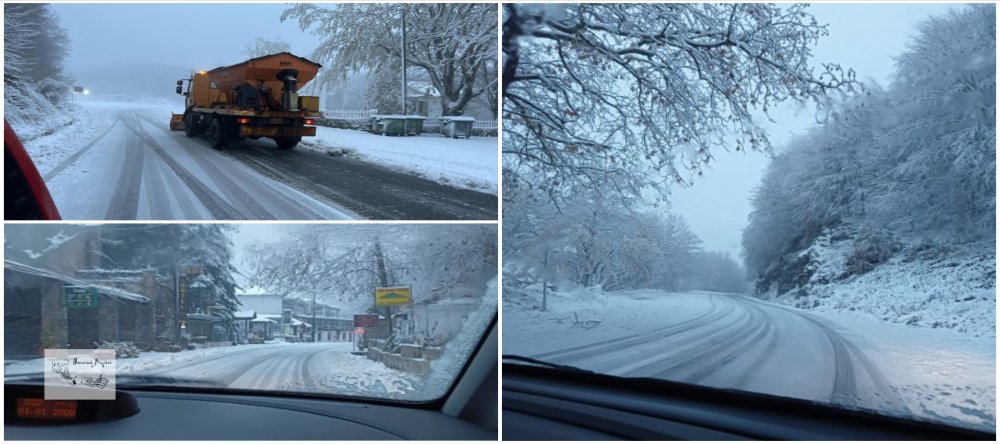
column 392, row 295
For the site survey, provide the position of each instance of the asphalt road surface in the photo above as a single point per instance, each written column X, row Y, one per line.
column 737, row 342
column 139, row 169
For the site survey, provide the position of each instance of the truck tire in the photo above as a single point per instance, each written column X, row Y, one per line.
column 217, row 134
column 287, row 143
column 191, row 129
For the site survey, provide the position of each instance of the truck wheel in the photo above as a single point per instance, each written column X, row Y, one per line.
column 287, row 143
column 190, row 128
column 216, row 134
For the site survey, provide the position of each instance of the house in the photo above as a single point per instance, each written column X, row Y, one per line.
column 53, row 310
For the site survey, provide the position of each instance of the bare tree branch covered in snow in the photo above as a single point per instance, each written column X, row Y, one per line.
column 634, row 95
column 450, row 41
column 595, row 240
column 262, row 47
column 342, row 268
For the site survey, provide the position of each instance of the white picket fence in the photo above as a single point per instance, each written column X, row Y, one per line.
column 361, row 114
column 349, row 114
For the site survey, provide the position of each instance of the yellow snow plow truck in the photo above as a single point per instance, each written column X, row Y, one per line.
column 254, row 99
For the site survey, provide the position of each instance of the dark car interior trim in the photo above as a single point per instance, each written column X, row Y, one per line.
column 541, row 404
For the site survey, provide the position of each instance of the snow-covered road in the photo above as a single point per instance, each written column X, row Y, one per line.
column 732, row 341
column 323, row 367
column 124, row 163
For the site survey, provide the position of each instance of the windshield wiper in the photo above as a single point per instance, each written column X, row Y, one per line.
column 539, row 362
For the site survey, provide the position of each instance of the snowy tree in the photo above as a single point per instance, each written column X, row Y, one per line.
column 343, row 266
column 172, row 247
column 490, row 86
column 19, row 33
column 36, row 91
column 384, row 92
column 595, row 241
column 626, row 97
column 449, row 41
column 262, row 47
column 917, row 160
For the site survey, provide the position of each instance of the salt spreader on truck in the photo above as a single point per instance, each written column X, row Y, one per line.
column 254, row 99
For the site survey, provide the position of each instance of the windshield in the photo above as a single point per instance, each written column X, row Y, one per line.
column 787, row 199
column 376, row 311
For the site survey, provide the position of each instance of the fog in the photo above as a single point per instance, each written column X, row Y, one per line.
column 142, row 49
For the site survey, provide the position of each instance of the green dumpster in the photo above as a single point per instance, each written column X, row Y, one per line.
column 457, row 126
column 414, row 125
column 390, row 125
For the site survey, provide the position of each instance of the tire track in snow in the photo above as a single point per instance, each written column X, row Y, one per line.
column 236, row 188
column 853, row 357
column 759, row 329
column 695, row 356
column 73, row 158
column 844, row 385
column 125, row 198
column 216, row 205
column 595, row 348
column 753, row 369
column 157, row 199
column 249, row 206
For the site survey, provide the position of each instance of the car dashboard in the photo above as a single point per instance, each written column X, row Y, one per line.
column 215, row 416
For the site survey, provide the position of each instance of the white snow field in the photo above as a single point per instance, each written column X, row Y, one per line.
column 732, row 341
column 461, row 163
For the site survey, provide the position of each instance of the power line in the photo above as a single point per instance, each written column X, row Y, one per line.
column 185, row 70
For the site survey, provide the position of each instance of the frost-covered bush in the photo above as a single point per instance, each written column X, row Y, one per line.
column 870, row 250
column 926, row 249
column 123, row 350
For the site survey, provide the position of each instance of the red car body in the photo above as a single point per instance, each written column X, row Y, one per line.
column 46, row 206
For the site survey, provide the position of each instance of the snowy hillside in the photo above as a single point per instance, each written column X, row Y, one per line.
column 924, row 285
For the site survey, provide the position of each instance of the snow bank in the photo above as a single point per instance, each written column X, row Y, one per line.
column 359, row 376
column 467, row 163
column 90, row 121
column 926, row 285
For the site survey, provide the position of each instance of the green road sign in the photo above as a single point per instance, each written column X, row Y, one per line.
column 79, row 297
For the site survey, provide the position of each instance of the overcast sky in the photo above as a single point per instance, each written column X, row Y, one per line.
column 862, row 36
column 130, row 48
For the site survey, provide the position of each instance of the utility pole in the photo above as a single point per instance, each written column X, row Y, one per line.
column 545, row 280
column 177, row 304
column 402, row 98
column 314, row 318
column 383, row 279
